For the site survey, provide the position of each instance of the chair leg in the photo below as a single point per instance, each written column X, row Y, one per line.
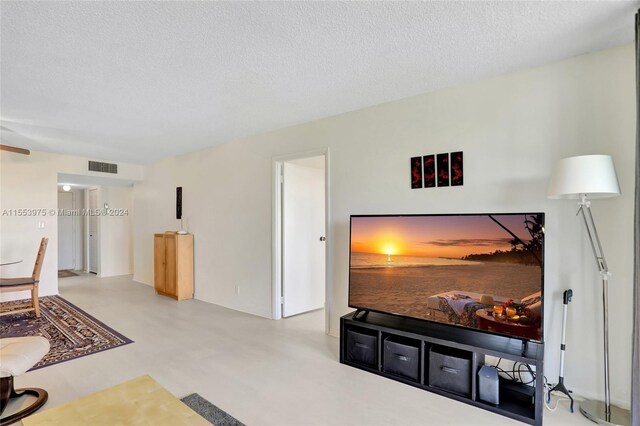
column 7, row 391
column 34, row 298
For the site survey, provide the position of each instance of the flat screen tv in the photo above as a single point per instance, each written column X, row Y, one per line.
column 479, row 271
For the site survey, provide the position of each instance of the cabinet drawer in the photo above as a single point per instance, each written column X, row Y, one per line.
column 401, row 357
column 450, row 369
column 362, row 347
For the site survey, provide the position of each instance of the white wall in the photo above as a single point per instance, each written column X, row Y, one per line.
column 30, row 182
column 511, row 128
column 116, row 245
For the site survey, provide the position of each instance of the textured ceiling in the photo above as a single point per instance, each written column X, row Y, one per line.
column 142, row 81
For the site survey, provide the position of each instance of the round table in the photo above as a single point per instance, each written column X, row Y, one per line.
column 486, row 321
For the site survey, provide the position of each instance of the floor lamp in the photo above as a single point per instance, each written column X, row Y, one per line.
column 583, row 178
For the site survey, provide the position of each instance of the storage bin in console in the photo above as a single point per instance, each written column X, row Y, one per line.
column 401, row 357
column 450, row 369
column 362, row 347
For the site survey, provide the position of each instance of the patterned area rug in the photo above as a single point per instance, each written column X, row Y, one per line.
column 71, row 332
column 65, row 273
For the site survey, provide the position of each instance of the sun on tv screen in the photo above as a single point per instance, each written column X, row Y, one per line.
column 480, row 271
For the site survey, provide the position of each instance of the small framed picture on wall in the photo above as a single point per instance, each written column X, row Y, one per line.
column 443, row 169
column 457, row 175
column 416, row 172
column 429, row 170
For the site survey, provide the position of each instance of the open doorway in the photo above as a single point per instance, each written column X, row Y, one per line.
column 300, row 218
column 100, row 210
column 70, row 230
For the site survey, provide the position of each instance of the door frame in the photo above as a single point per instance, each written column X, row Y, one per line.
column 74, row 248
column 87, row 230
column 276, row 230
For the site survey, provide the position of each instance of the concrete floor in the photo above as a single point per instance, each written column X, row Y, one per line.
column 263, row 372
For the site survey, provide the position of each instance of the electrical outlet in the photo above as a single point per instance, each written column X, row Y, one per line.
column 237, row 289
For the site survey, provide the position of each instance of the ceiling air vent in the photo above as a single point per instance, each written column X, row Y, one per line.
column 98, row 166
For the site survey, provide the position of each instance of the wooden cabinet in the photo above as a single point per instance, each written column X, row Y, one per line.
column 173, row 265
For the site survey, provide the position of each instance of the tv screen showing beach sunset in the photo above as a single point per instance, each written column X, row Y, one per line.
column 482, row 271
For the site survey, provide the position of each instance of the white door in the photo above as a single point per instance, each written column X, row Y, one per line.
column 93, row 232
column 303, row 231
column 66, row 252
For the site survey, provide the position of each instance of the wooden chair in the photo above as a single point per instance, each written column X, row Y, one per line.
column 26, row 283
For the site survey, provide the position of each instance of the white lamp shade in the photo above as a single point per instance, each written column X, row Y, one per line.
column 590, row 175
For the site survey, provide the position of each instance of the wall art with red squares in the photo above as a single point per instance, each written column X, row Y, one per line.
column 445, row 169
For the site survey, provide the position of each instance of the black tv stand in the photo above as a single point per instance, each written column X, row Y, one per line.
column 424, row 354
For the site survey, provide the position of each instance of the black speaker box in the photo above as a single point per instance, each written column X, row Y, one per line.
column 179, row 202
column 488, row 389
